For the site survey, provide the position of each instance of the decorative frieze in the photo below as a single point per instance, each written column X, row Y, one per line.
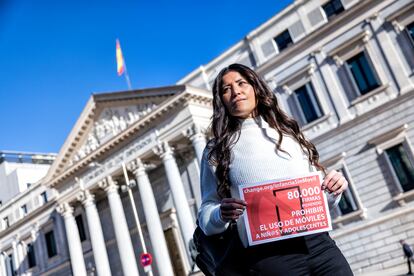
column 115, row 161
column 111, row 122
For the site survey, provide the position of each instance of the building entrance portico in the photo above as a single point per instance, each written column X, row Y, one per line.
column 147, row 131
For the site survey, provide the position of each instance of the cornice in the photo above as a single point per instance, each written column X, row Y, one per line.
column 95, row 103
column 360, row 118
column 400, row 12
column 366, row 224
column 242, row 43
column 45, row 210
column 320, row 35
column 191, row 94
column 82, row 124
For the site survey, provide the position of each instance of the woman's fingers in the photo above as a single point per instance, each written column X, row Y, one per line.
column 231, row 208
column 335, row 182
column 330, row 179
column 342, row 186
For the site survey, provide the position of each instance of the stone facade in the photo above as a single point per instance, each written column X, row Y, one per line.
column 355, row 128
column 89, row 208
column 344, row 71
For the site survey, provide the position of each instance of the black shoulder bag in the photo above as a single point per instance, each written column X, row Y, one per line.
column 215, row 251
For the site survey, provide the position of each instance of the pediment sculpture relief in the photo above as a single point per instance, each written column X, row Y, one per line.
column 112, row 121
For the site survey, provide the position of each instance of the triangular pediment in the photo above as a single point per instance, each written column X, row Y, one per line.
column 105, row 116
column 110, row 121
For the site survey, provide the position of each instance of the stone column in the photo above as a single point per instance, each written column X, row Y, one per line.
column 21, row 255
column 155, row 230
column 15, row 256
column 198, row 140
column 123, row 238
column 3, row 265
column 38, row 242
column 331, row 84
column 177, row 191
column 401, row 76
column 95, row 229
column 74, row 243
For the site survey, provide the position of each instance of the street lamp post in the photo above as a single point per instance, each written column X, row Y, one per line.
column 128, row 188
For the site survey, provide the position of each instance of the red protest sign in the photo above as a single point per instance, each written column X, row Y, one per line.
column 282, row 209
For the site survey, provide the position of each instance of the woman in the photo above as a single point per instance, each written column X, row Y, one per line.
column 255, row 141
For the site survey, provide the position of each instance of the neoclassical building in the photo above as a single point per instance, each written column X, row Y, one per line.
column 148, row 142
column 343, row 68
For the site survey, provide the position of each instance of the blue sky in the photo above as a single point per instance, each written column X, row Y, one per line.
column 55, row 54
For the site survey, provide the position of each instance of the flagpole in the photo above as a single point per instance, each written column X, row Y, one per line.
column 127, row 77
column 121, row 64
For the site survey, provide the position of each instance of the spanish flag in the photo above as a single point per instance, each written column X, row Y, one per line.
column 120, row 64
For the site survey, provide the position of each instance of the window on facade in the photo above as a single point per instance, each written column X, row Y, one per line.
column 81, row 227
column 283, row 40
column 6, row 222
column 333, row 8
column 347, row 204
column 308, row 103
column 31, row 257
column 50, row 244
column 23, row 209
column 43, row 196
column 410, row 31
column 402, row 167
column 362, row 73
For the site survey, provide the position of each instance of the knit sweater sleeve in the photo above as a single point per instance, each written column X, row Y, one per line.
column 209, row 218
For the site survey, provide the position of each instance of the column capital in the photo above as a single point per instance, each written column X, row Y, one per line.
column 194, row 132
column 85, row 197
column 35, row 230
column 163, row 150
column 108, row 184
column 338, row 61
column 16, row 238
column 397, row 26
column 137, row 167
column 272, row 83
column 287, row 90
column 34, row 233
column 65, row 210
column 366, row 37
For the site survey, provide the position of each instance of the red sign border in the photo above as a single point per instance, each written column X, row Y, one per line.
column 246, row 220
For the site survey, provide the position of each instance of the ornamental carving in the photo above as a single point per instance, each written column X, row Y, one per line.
column 111, row 122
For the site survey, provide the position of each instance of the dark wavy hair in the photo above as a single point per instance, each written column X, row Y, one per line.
column 226, row 128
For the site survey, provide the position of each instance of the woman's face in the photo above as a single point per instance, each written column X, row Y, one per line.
column 238, row 95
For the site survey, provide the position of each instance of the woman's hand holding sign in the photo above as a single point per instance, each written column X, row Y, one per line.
column 231, row 208
column 335, row 182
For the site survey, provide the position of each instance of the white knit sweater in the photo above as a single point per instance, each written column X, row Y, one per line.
column 254, row 159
